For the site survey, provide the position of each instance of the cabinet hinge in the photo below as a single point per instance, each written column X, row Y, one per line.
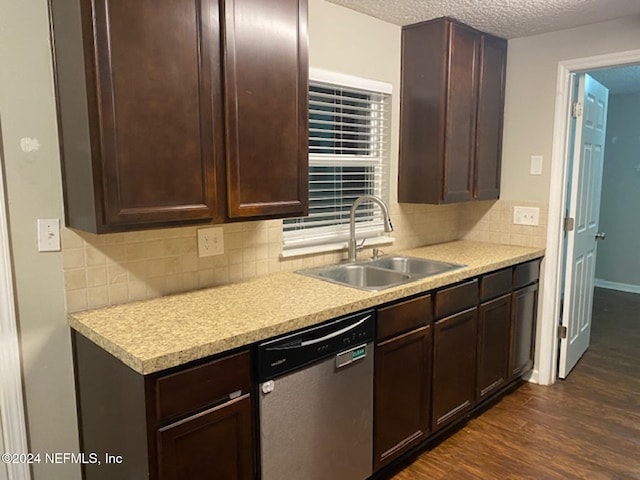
column 562, row 331
column 576, row 109
column 569, row 223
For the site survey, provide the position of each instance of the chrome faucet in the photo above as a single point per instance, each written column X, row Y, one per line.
column 352, row 221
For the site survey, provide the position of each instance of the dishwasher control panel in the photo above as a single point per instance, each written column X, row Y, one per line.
column 292, row 351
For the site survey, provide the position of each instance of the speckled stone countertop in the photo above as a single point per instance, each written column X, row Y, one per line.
column 157, row 334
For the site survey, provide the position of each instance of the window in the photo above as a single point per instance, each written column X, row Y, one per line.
column 348, row 157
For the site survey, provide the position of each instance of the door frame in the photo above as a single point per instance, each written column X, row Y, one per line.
column 13, row 428
column 552, row 279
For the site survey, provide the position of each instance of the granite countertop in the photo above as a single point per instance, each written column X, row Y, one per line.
column 165, row 332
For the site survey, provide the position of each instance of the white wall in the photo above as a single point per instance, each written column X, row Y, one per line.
column 348, row 42
column 34, row 191
column 618, row 258
column 532, row 65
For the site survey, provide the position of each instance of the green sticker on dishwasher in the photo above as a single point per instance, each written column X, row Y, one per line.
column 359, row 353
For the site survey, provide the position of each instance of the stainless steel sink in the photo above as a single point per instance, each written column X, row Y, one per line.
column 363, row 276
column 414, row 266
column 381, row 273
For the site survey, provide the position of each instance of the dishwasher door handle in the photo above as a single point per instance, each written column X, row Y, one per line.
column 306, row 343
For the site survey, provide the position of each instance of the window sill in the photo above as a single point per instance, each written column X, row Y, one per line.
column 333, row 247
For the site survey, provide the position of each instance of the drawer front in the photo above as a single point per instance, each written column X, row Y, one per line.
column 496, row 284
column 190, row 390
column 526, row 273
column 455, row 299
column 403, row 316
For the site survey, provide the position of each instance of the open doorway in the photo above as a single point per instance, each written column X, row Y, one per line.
column 553, row 281
column 618, row 262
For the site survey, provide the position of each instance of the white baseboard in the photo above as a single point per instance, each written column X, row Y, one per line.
column 622, row 287
column 532, row 377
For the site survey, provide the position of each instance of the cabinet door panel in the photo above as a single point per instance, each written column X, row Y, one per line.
column 160, row 107
column 454, row 299
column 266, row 97
column 490, row 115
column 402, row 393
column 422, row 113
column 403, row 316
column 523, row 329
column 454, row 366
column 494, row 326
column 190, row 390
column 461, row 114
column 214, row 445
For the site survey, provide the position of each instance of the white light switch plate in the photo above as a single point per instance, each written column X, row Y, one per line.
column 48, row 234
column 210, row 241
column 526, row 216
column 536, row 165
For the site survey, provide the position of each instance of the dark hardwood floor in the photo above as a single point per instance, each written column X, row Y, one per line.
column 585, row 427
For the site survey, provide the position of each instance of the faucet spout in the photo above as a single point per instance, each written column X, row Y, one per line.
column 352, row 221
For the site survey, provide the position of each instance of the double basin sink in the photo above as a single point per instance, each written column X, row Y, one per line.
column 381, row 273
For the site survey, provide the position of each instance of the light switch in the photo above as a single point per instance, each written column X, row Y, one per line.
column 536, row 165
column 48, row 234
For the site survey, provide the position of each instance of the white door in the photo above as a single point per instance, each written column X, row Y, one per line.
column 584, row 208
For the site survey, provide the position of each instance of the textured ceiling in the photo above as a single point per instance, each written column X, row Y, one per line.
column 504, row 18
column 619, row 79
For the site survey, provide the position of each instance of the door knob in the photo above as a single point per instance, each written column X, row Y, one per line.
column 600, row 236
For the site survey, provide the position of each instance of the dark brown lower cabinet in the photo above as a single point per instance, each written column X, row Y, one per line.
column 190, row 423
column 454, row 366
column 494, row 326
column 215, row 444
column 402, row 394
column 523, row 331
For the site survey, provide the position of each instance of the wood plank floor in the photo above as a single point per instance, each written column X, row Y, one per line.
column 585, row 427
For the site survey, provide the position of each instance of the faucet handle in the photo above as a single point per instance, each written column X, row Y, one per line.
column 376, row 253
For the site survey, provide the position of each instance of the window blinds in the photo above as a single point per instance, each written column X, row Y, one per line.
column 348, row 157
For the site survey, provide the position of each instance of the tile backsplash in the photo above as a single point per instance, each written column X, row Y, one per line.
column 102, row 270
column 493, row 222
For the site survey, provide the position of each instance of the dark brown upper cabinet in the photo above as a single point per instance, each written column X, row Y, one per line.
column 147, row 117
column 452, row 106
column 266, row 101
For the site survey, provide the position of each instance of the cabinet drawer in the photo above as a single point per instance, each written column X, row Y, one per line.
column 190, row 390
column 403, row 316
column 526, row 273
column 495, row 284
column 457, row 298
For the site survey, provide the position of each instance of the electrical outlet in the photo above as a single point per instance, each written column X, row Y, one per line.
column 526, row 215
column 48, row 234
column 210, row 241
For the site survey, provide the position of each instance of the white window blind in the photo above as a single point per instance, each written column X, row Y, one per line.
column 348, row 157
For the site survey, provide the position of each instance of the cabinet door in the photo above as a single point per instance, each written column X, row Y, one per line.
column 493, row 56
column 266, row 98
column 454, row 366
column 461, row 113
column 523, row 329
column 156, row 129
column 494, row 326
column 401, row 395
column 214, row 445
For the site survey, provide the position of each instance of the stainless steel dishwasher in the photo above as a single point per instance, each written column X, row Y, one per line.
column 316, row 402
